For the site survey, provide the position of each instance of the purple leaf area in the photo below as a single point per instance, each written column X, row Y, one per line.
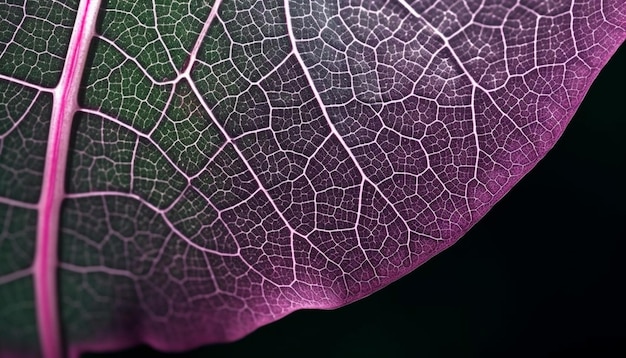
column 180, row 174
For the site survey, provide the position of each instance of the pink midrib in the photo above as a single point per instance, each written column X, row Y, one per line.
column 46, row 259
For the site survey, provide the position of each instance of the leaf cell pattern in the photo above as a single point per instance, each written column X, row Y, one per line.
column 229, row 162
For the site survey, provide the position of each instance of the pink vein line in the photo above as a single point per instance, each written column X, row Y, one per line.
column 52, row 193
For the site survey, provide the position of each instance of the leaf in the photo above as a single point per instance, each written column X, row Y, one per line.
column 180, row 174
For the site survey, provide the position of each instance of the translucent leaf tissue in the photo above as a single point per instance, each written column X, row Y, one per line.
column 180, row 173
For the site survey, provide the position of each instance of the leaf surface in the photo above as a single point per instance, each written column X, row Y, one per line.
column 181, row 173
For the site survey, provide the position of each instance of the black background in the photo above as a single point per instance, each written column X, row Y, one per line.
column 542, row 275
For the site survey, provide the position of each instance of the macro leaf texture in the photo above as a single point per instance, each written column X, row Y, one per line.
column 179, row 173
